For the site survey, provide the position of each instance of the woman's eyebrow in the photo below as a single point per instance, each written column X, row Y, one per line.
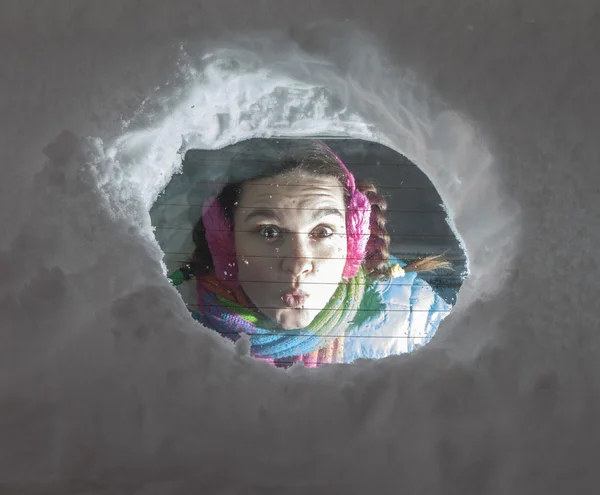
column 324, row 212
column 262, row 213
column 271, row 214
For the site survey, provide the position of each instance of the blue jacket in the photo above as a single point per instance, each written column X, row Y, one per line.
column 412, row 311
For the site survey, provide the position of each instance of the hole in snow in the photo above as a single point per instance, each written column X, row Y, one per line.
column 233, row 95
column 260, row 237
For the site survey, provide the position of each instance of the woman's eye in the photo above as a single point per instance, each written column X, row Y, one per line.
column 269, row 232
column 322, row 231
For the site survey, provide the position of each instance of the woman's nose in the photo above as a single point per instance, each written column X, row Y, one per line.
column 297, row 259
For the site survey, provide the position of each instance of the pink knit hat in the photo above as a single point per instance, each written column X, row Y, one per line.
column 220, row 237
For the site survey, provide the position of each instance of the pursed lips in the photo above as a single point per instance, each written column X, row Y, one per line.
column 295, row 298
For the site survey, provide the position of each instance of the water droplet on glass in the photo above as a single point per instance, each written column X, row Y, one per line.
column 246, row 261
column 235, row 204
column 277, row 250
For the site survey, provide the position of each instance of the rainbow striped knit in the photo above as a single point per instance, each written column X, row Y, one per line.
column 227, row 312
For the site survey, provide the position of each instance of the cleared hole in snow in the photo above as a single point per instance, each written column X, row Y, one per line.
column 415, row 221
column 234, row 95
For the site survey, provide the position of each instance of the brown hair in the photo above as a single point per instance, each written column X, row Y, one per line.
column 377, row 255
column 311, row 158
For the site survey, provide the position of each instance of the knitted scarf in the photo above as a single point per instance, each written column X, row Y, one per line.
column 227, row 310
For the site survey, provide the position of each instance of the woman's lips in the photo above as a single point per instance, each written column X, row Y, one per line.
column 295, row 298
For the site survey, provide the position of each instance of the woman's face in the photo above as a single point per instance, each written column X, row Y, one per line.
column 290, row 240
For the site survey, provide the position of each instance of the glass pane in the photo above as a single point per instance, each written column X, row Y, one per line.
column 273, row 238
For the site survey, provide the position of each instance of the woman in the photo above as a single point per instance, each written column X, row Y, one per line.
column 297, row 258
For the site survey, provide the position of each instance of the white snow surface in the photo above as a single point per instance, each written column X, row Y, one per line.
column 107, row 386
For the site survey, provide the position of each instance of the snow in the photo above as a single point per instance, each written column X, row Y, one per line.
column 108, row 386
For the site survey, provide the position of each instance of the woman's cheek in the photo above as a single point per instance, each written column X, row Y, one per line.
column 331, row 260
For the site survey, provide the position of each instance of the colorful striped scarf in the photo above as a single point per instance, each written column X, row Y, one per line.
column 227, row 310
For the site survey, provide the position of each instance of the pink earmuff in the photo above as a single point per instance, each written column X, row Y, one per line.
column 220, row 240
column 358, row 221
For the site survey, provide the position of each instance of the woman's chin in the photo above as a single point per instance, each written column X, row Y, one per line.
column 294, row 319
